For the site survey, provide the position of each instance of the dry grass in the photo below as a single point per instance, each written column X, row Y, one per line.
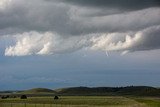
column 80, row 101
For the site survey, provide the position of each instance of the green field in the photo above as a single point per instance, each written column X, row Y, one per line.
column 82, row 101
column 131, row 96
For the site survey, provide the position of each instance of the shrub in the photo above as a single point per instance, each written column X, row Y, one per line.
column 5, row 97
column 23, row 97
column 56, row 97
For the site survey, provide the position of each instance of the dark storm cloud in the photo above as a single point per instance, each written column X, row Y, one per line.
column 121, row 4
column 65, row 19
column 150, row 39
column 59, row 26
column 35, row 15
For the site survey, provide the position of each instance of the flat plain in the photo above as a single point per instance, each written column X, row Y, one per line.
column 82, row 101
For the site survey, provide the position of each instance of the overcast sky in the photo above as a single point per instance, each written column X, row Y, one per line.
column 62, row 43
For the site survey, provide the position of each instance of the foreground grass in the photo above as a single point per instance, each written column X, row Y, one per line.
column 151, row 102
column 81, row 101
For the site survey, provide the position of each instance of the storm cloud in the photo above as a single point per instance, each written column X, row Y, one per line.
column 114, row 3
column 60, row 26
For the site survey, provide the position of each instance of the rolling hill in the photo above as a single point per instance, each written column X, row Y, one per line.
column 39, row 91
column 93, row 91
column 130, row 90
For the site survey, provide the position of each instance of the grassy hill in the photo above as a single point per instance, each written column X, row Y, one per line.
column 140, row 91
column 131, row 90
column 39, row 91
column 94, row 91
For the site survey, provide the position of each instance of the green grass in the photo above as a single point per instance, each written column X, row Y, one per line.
column 82, row 101
column 151, row 102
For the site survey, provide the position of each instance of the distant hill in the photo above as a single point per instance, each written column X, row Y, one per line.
column 140, row 91
column 39, row 91
column 130, row 90
column 92, row 91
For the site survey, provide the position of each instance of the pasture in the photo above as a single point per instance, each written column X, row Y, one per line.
column 82, row 101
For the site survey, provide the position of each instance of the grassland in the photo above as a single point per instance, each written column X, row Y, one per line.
column 132, row 96
column 82, row 101
column 150, row 101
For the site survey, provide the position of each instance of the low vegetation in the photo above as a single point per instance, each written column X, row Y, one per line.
column 85, row 97
column 83, row 101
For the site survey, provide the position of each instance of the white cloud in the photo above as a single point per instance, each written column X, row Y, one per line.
column 4, row 3
column 146, row 39
column 30, row 43
column 52, row 43
column 107, row 43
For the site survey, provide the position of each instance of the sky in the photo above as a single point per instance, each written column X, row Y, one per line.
column 69, row 43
